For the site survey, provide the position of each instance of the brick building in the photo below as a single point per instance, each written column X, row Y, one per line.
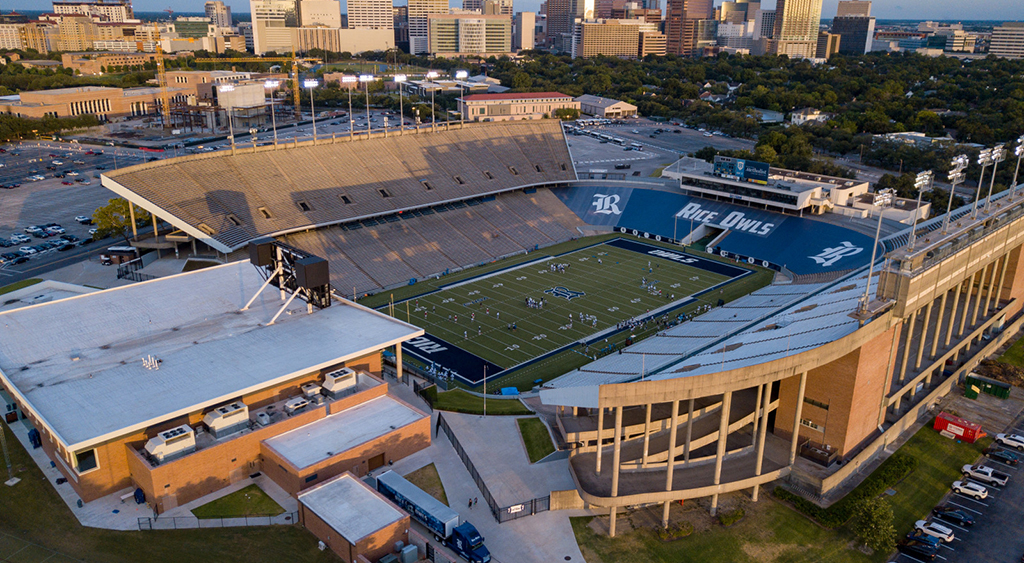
column 508, row 107
column 104, row 102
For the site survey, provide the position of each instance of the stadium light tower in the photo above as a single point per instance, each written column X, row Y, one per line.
column 984, row 159
column 349, row 80
column 1018, row 151
column 956, row 176
column 272, row 85
column 231, row 129
column 922, row 183
column 399, row 79
column 998, row 155
column 433, row 114
column 874, row 248
column 312, row 83
column 462, row 75
column 366, row 79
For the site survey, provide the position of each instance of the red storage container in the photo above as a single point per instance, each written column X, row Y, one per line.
column 962, row 429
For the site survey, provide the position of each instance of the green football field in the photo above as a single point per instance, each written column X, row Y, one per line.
column 602, row 282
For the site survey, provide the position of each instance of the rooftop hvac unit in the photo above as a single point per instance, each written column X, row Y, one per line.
column 310, row 390
column 228, row 419
column 339, row 381
column 172, row 444
column 294, row 404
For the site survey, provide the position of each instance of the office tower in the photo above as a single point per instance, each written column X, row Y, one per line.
column 400, row 19
column 419, row 31
column 370, row 14
column 828, row 45
column 270, row 22
column 561, row 20
column 1008, row 40
column 218, row 13
column 524, row 32
column 320, row 13
column 614, row 38
column 796, row 28
column 473, row 5
column 856, row 33
column 854, row 9
column 469, row 34
column 114, row 11
column 738, row 11
column 764, row 24
column 681, row 24
column 497, row 8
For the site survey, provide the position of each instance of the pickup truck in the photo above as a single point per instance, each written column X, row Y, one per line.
column 985, row 474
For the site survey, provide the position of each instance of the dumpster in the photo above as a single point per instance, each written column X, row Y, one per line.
column 975, row 384
column 963, row 429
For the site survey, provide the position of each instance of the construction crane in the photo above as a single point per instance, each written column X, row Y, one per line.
column 161, row 78
column 170, row 14
column 295, row 71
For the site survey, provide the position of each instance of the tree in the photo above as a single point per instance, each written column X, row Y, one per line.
column 114, row 219
column 521, row 81
column 874, row 524
column 567, row 114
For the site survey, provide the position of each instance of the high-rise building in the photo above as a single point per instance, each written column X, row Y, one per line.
column 854, row 9
column 497, row 8
column 111, row 11
column 653, row 43
column 400, row 17
column 320, row 13
column 477, row 5
column 218, row 13
column 828, row 45
column 796, row 28
column 11, row 36
column 856, row 33
column 561, row 20
column 419, row 30
column 270, row 22
column 681, row 24
column 738, row 11
column 1008, row 40
column 524, row 26
column 614, row 38
column 469, row 34
column 764, row 24
column 371, row 14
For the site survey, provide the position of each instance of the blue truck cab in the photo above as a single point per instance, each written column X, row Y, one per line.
column 468, row 543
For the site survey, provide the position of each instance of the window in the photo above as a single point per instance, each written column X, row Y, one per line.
column 265, row 212
column 818, row 404
column 86, row 461
column 384, row 193
column 563, row 166
column 311, row 478
column 303, row 205
column 345, row 200
column 810, row 424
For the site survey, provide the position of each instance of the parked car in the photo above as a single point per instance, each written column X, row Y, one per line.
column 973, row 490
column 83, row 219
column 953, row 514
column 918, row 549
column 69, row 238
column 1015, row 441
column 55, row 229
column 918, row 535
column 27, row 250
column 944, row 533
column 20, row 238
column 19, row 260
column 31, row 229
column 985, row 474
column 66, row 183
column 1003, row 456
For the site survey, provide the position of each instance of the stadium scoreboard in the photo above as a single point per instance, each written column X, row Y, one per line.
column 741, row 170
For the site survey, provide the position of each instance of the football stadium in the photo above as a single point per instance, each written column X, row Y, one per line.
column 698, row 336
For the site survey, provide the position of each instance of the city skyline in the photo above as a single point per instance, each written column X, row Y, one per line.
column 993, row 10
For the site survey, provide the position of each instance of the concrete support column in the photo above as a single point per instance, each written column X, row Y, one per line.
column 906, row 346
column 977, row 296
column 616, row 456
column 398, row 362
column 938, row 325
column 723, row 436
column 952, row 314
column 757, row 403
column 689, row 432
column 671, row 466
column 647, row 435
column 924, row 335
column 762, row 431
column 131, row 215
column 796, row 417
column 1002, row 279
column 600, row 433
column 967, row 305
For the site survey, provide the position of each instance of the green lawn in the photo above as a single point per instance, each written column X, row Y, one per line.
column 33, row 517
column 427, row 479
column 461, row 401
column 1014, row 355
column 536, row 438
column 18, row 285
column 249, row 501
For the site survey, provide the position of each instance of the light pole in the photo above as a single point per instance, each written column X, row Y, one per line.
column 874, row 247
column 399, row 79
column 349, row 80
column 271, row 85
column 461, row 75
column 1018, row 151
column 956, row 176
column 984, row 159
column 433, row 114
column 231, row 129
column 366, row 79
column 998, row 155
column 312, row 83
column 921, row 183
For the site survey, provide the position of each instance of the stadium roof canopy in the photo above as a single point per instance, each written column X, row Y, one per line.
column 77, row 363
column 227, row 200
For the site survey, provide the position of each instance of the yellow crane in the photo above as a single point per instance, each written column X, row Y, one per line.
column 295, row 71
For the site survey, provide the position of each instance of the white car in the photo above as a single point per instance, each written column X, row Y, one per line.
column 1011, row 441
column 93, row 231
column 974, row 490
column 27, row 250
column 82, row 219
column 935, row 530
column 57, row 163
column 72, row 173
column 20, row 238
column 55, row 230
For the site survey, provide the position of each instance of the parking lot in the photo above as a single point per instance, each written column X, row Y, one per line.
column 993, row 537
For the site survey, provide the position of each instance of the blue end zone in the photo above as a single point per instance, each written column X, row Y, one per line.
column 446, row 359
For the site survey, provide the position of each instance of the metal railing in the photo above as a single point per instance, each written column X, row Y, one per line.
column 192, row 523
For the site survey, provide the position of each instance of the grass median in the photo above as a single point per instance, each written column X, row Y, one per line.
column 461, row 401
column 248, row 501
column 536, row 438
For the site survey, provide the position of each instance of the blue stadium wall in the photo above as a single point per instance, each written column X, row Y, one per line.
column 803, row 246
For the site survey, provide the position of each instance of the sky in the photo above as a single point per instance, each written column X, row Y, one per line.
column 883, row 9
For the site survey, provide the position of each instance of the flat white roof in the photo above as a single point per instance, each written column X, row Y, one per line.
column 350, row 507
column 340, row 432
column 77, row 362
